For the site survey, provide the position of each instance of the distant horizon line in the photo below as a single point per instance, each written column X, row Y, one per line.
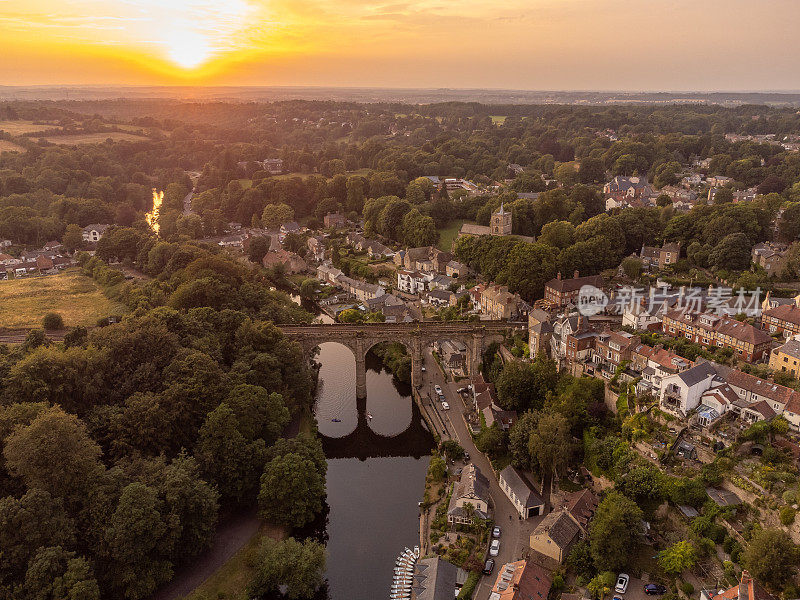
column 391, row 88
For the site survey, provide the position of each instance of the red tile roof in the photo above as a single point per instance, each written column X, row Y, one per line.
column 785, row 312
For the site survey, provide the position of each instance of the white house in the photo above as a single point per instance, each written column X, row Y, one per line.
column 681, row 392
column 413, row 282
column 473, row 489
column 93, row 233
column 527, row 502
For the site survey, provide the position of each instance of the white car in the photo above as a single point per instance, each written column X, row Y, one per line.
column 438, row 389
column 622, row 583
column 494, row 549
column 445, row 406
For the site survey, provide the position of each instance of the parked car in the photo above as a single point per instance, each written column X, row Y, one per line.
column 496, row 532
column 422, row 368
column 466, row 455
column 438, row 389
column 445, row 406
column 654, row 589
column 488, row 566
column 494, row 549
column 622, row 583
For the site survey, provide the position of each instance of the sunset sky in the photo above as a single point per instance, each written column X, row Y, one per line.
column 519, row 44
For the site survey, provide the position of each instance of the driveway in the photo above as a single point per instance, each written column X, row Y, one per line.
column 515, row 532
column 636, row 590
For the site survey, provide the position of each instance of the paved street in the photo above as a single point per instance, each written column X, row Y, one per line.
column 516, row 533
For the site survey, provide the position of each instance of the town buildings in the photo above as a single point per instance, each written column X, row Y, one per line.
column 472, row 489
column 783, row 319
column 559, row 292
column 334, row 220
column 554, row 536
column 289, row 261
column 659, row 258
column 500, row 224
column 522, row 580
column 92, row 233
column 711, row 390
column 427, row 259
column 628, row 188
column 710, row 330
column 434, row 579
column 747, row 589
column 771, row 257
column 525, row 499
column 499, row 304
column 786, row 358
column 273, row 166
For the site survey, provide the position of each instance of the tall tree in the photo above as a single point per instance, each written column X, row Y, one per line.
column 614, row 531
column 137, row 543
column 551, row 445
column 290, row 565
column 54, row 453
column 771, row 557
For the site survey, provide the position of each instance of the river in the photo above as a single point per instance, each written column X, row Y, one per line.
column 376, row 479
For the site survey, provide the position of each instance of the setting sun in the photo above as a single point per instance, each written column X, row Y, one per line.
column 188, row 49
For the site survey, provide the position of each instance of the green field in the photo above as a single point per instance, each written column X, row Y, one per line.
column 76, row 139
column 448, row 234
column 6, row 146
column 498, row 120
column 77, row 298
column 25, row 127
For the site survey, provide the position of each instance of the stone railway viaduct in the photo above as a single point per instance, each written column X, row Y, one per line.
column 360, row 338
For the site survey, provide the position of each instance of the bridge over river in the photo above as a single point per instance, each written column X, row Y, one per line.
column 361, row 337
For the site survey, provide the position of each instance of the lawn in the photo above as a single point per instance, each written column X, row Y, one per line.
column 497, row 119
column 93, row 138
column 6, row 146
column 77, row 298
column 231, row 579
column 448, row 234
column 23, row 127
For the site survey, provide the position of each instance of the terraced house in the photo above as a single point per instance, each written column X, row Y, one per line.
column 783, row 319
column 709, row 330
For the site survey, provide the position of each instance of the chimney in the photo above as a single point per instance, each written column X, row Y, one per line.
column 575, row 275
column 558, row 276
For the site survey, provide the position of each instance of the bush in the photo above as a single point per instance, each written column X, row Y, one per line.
column 787, row 515
column 52, row 320
column 687, row 588
column 469, row 586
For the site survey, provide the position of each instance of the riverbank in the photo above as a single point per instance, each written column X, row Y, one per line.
column 394, row 357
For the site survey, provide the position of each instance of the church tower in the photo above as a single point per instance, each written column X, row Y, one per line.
column 501, row 222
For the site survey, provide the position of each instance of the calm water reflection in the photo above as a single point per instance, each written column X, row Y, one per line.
column 373, row 501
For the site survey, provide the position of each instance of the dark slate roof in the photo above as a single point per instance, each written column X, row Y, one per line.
column 697, row 373
column 436, row 579
column 520, row 487
column 559, row 527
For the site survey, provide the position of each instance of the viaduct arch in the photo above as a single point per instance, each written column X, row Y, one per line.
column 476, row 336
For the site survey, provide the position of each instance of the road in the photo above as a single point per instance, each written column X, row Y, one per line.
column 516, row 533
column 187, row 203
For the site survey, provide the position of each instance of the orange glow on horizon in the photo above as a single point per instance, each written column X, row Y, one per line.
column 519, row 44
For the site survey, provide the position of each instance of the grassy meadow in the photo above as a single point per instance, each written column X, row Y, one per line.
column 77, row 298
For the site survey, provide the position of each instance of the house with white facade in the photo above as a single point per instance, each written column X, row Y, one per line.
column 93, row 232
column 526, row 501
column 414, row 282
